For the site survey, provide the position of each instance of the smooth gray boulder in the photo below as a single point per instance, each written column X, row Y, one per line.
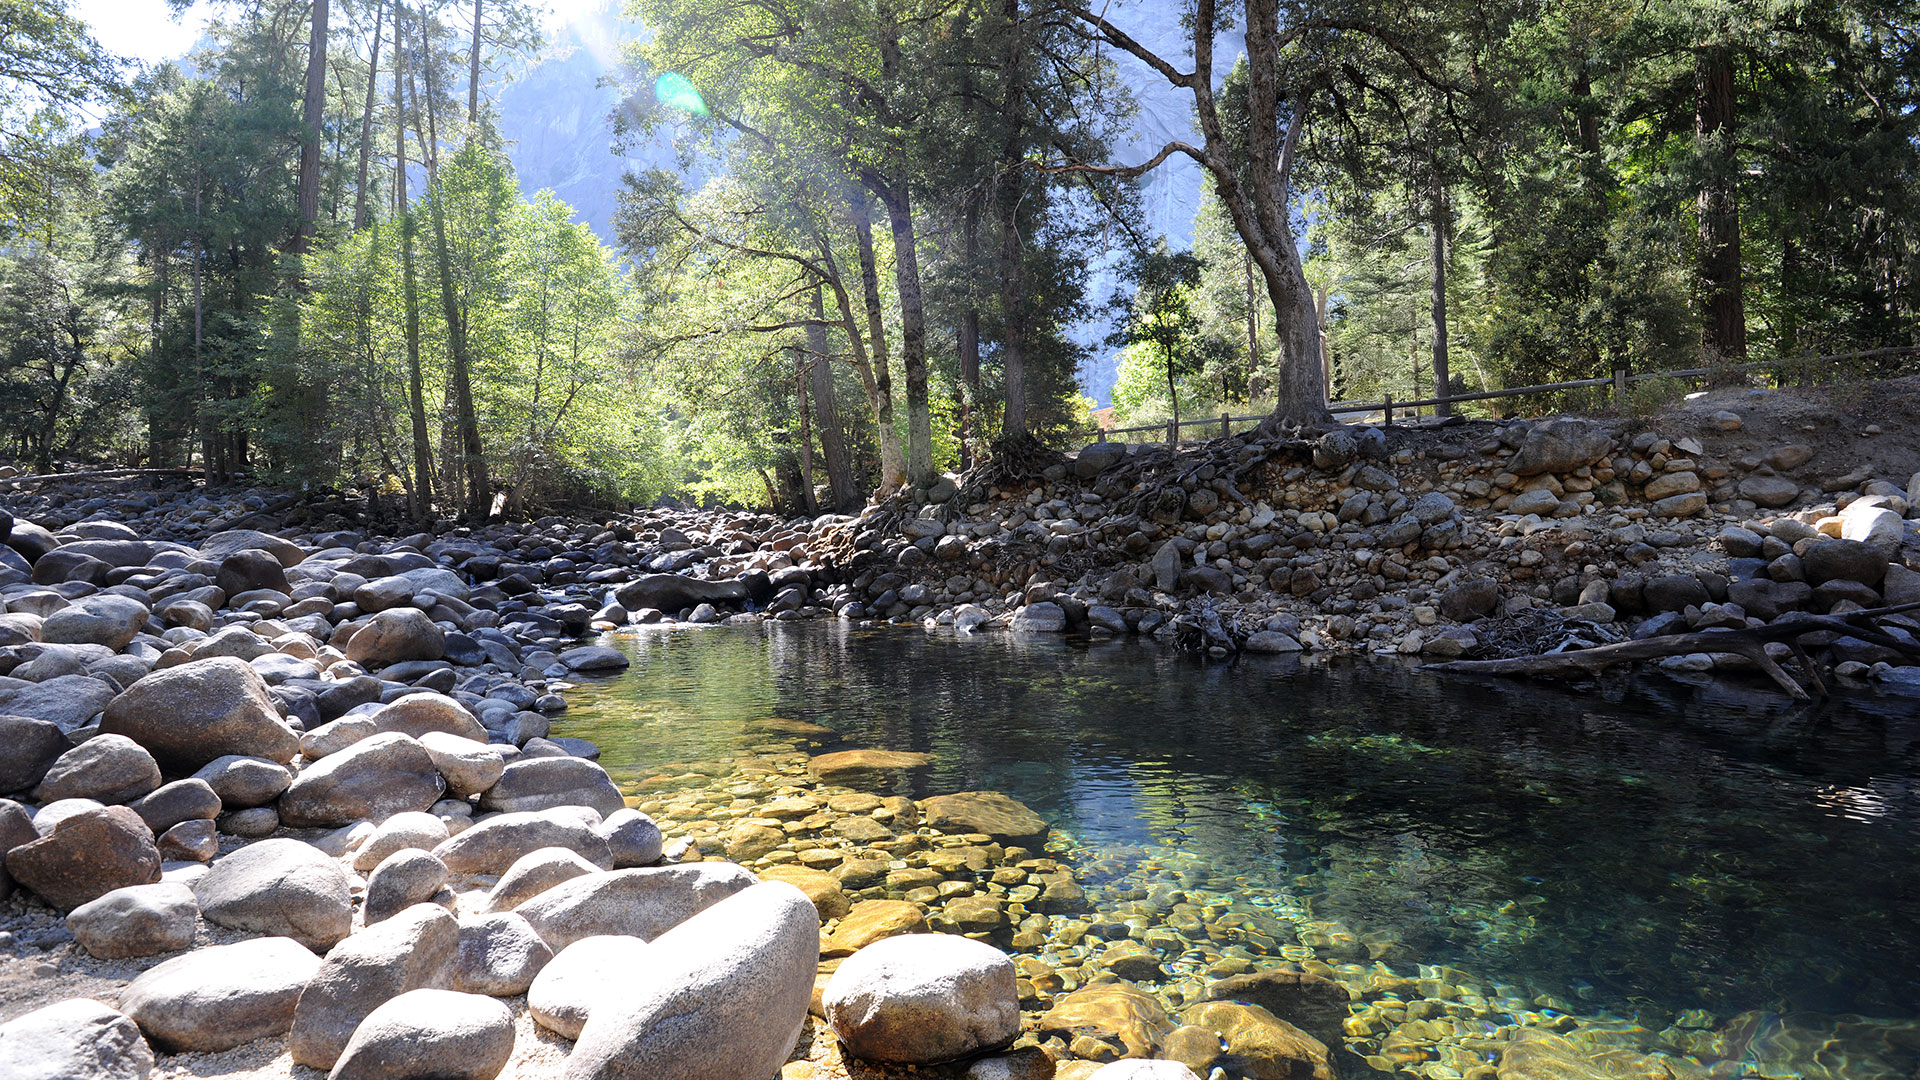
column 32, row 748
column 672, row 592
column 281, row 886
column 469, row 765
column 193, row 713
column 106, row 768
column 723, row 996
column 500, row 955
column 405, row 878
column 534, row 873
column 243, row 782
column 566, row 990
column 222, row 996
column 139, row 920
column 69, row 702
column 86, row 855
column 418, row 714
column 430, row 1033
column 76, row 1039
column 493, row 845
column 633, row 837
column 221, row 544
column 1560, row 446
column 643, row 903
column 595, row 660
column 411, row 950
column 374, row 779
column 923, row 998
column 103, row 619
column 196, row 841
column 534, row 784
column 394, row 636
column 412, row 829
column 171, row 804
column 16, row 828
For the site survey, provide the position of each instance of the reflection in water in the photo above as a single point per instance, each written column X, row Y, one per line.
column 1645, row 847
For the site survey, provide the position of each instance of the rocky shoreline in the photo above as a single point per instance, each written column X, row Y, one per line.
column 298, row 795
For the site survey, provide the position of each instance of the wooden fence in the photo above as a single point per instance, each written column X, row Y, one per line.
column 1619, row 381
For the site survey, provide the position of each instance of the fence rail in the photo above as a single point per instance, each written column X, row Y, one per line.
column 1619, row 381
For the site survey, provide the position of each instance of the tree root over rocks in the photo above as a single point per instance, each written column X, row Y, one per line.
column 1792, row 630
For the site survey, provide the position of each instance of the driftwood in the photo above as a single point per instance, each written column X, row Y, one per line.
column 1750, row 643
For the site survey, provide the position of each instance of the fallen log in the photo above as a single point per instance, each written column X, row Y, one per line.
column 1750, row 643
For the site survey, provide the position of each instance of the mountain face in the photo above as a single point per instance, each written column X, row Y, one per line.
column 555, row 118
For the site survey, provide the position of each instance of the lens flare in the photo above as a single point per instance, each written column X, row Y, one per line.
column 674, row 91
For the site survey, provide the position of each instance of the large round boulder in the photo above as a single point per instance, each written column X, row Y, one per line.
column 923, row 998
column 220, row 997
column 563, row 995
column 500, row 955
column 414, row 949
column 723, row 997
column 245, row 571
column 496, row 843
column 281, row 886
column 419, row 714
column 193, row 713
column 534, row 784
column 107, row 769
column 139, row 920
column 396, row 635
column 87, row 855
column 32, row 748
column 103, row 619
column 76, row 1039
column 374, row 779
column 429, row 1033
column 643, row 903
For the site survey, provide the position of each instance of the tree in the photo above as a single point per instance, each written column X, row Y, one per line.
column 50, row 67
column 1161, row 318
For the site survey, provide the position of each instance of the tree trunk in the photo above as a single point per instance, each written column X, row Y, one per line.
column 420, row 501
column 366, row 127
column 312, row 113
column 473, row 461
column 1724, row 335
column 913, row 329
column 893, row 464
column 1013, row 344
column 473, row 75
column 801, row 369
column 970, row 332
column 833, row 444
column 1441, row 380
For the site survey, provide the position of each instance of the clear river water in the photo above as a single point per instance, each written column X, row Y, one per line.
column 1659, row 855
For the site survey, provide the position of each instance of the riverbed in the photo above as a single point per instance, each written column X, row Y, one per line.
column 1709, row 875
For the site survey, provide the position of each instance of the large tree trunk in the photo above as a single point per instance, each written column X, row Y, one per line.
column 473, row 460
column 833, row 443
column 366, row 127
column 314, row 109
column 913, row 329
column 420, row 500
column 1013, row 307
column 801, row 369
column 1724, row 335
column 1441, row 380
column 473, row 75
column 970, row 332
column 893, row 463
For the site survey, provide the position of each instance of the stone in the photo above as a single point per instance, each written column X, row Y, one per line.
column 76, row 1039
column 856, row 768
column 723, row 996
column 493, row 845
column 1045, row 617
column 57, row 566
column 1560, row 446
column 1850, row 560
column 1265, row 1046
column 429, row 1034
column 672, row 592
column 565, row 992
column 257, row 823
column 1900, row 586
column 1314, row 1004
column 1674, row 592
column 407, row 877
column 221, row 996
column 470, row 766
column 281, row 886
column 535, row 873
column 500, row 955
column 193, row 841
column 411, row 829
column 829, row 899
column 595, row 659
column 70, row 702
column 139, row 920
column 1877, row 525
column 418, row 714
column 531, row 785
column 225, row 543
column 104, row 619
column 923, row 998
column 171, row 804
column 643, row 903
column 1119, row 1014
column 1005, row 819
column 872, row 920
column 1680, row 506
column 1769, row 491
column 191, row 714
column 375, row 778
column 1672, row 483
column 85, row 856
column 250, row 569
column 1097, row 457
column 1541, row 502
column 1271, row 643
column 106, row 768
column 1167, row 564
column 415, row 948
column 32, row 748
column 394, row 636
column 632, row 837
column 1470, row 600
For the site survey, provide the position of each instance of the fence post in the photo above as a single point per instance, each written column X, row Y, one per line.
column 1100, row 434
column 1389, row 410
column 1619, row 381
column 1173, row 434
column 1225, row 425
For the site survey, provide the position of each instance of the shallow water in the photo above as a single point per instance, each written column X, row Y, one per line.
column 1638, row 850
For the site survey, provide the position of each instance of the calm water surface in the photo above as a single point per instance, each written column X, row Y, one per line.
column 1641, row 849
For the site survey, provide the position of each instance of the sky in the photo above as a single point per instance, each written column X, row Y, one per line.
column 145, row 30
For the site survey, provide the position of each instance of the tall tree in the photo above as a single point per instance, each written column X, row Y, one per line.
column 313, row 108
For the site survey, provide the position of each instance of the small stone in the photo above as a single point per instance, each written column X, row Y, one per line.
column 500, row 955
column 632, row 837
column 923, row 998
column 139, row 920
column 106, row 768
column 407, row 877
